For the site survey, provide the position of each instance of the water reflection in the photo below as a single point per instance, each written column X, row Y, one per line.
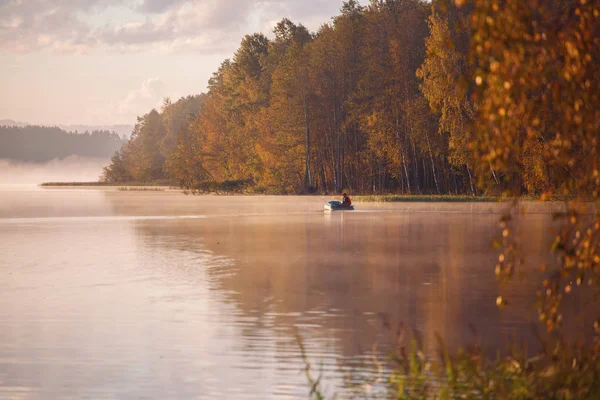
column 347, row 280
column 162, row 295
column 355, row 272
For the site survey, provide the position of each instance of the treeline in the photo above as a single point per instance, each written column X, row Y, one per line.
column 41, row 144
column 155, row 143
column 378, row 100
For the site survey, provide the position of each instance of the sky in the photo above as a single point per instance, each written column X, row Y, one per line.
column 109, row 61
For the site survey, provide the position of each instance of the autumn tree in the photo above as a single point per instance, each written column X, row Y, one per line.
column 175, row 116
column 538, row 107
column 444, row 81
column 117, row 170
column 244, row 95
column 152, row 143
column 357, row 105
column 186, row 163
column 387, row 99
column 285, row 145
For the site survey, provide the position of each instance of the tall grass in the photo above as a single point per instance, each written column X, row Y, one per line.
column 558, row 371
column 140, row 189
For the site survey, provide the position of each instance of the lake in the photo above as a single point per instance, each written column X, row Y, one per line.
column 107, row 294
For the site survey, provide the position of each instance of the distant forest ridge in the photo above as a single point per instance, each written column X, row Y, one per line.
column 120, row 129
column 41, row 144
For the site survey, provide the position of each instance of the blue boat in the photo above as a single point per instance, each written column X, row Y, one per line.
column 337, row 206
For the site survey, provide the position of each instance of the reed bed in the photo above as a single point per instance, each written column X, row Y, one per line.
column 557, row 371
column 140, row 189
column 390, row 198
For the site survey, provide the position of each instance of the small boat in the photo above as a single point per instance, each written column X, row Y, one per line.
column 337, row 206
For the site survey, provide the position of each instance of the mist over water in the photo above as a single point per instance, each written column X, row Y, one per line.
column 107, row 294
column 70, row 169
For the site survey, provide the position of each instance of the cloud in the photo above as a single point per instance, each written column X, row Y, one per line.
column 183, row 24
column 32, row 25
column 158, row 6
column 139, row 101
column 148, row 96
column 167, row 25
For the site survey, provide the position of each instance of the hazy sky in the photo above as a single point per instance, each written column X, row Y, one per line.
column 107, row 61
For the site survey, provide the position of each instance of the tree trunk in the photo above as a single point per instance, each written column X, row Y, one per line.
column 308, row 181
column 494, row 175
column 338, row 164
column 406, row 172
column 470, row 181
column 416, row 163
column 437, row 186
column 455, row 184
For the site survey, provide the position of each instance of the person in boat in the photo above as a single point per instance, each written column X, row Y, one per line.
column 346, row 202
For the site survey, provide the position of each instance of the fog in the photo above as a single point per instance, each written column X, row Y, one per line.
column 72, row 168
column 127, row 294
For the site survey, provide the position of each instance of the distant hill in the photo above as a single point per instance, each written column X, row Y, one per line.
column 41, row 144
column 11, row 122
column 121, row 130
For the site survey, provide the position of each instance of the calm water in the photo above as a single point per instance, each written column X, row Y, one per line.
column 107, row 294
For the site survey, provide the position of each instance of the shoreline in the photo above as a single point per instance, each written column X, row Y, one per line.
column 356, row 198
column 422, row 198
column 366, row 198
column 105, row 184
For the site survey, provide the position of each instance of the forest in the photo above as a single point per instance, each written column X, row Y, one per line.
column 397, row 96
column 41, row 144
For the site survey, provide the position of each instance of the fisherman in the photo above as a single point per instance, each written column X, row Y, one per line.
column 346, row 202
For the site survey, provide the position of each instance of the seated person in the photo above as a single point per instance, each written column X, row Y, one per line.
column 346, row 200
